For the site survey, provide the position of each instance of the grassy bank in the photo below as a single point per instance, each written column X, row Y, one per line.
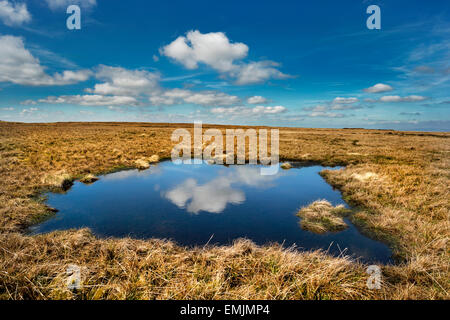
column 399, row 183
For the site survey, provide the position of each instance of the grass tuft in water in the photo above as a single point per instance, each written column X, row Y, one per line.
column 321, row 217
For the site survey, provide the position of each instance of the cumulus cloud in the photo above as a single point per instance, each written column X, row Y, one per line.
column 215, row 50
column 14, row 14
column 19, row 66
column 256, row 100
column 124, row 87
column 58, row 4
column 379, row 87
column 204, row 98
column 412, row 98
column 317, row 108
column 91, row 100
column 120, row 81
column 257, row 72
column 344, row 107
column 322, row 114
column 339, row 103
column 269, row 110
column 211, row 98
column 258, row 110
column 340, row 100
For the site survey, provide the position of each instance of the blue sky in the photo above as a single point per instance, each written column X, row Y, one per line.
column 283, row 63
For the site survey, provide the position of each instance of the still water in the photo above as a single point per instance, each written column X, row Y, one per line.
column 197, row 204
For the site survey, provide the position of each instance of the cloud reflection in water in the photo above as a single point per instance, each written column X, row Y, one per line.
column 215, row 195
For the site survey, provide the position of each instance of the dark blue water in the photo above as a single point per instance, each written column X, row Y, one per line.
column 194, row 204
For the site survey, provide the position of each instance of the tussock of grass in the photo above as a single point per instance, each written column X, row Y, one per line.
column 88, row 179
column 58, row 180
column 153, row 159
column 142, row 164
column 321, row 217
column 286, row 166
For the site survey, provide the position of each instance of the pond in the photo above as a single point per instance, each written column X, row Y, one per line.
column 201, row 203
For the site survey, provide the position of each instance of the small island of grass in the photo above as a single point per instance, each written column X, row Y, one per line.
column 321, row 217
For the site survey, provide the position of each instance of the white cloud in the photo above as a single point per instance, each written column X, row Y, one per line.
column 256, row 100
column 19, row 66
column 321, row 114
column 215, row 50
column 257, row 72
column 340, row 100
column 344, row 107
column 14, row 14
column 28, row 111
column 120, row 81
column 92, row 100
column 204, row 98
column 379, row 87
column 270, row 110
column 317, row 108
column 231, row 110
column 412, row 98
column 211, row 99
column 321, row 109
column 28, row 102
column 258, row 110
column 58, row 4
column 213, row 196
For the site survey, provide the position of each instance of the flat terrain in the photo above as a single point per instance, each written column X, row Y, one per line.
column 398, row 183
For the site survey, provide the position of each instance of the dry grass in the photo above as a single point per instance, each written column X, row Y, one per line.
column 286, row 166
column 132, row 269
column 321, row 217
column 89, row 178
column 142, row 164
column 398, row 182
column 57, row 180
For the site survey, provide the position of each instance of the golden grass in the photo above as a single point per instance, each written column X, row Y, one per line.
column 89, row 178
column 321, row 217
column 398, row 183
column 132, row 269
column 142, row 164
column 57, row 180
column 286, row 166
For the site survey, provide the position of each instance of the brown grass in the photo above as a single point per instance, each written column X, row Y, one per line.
column 89, row 178
column 398, row 183
column 321, row 217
